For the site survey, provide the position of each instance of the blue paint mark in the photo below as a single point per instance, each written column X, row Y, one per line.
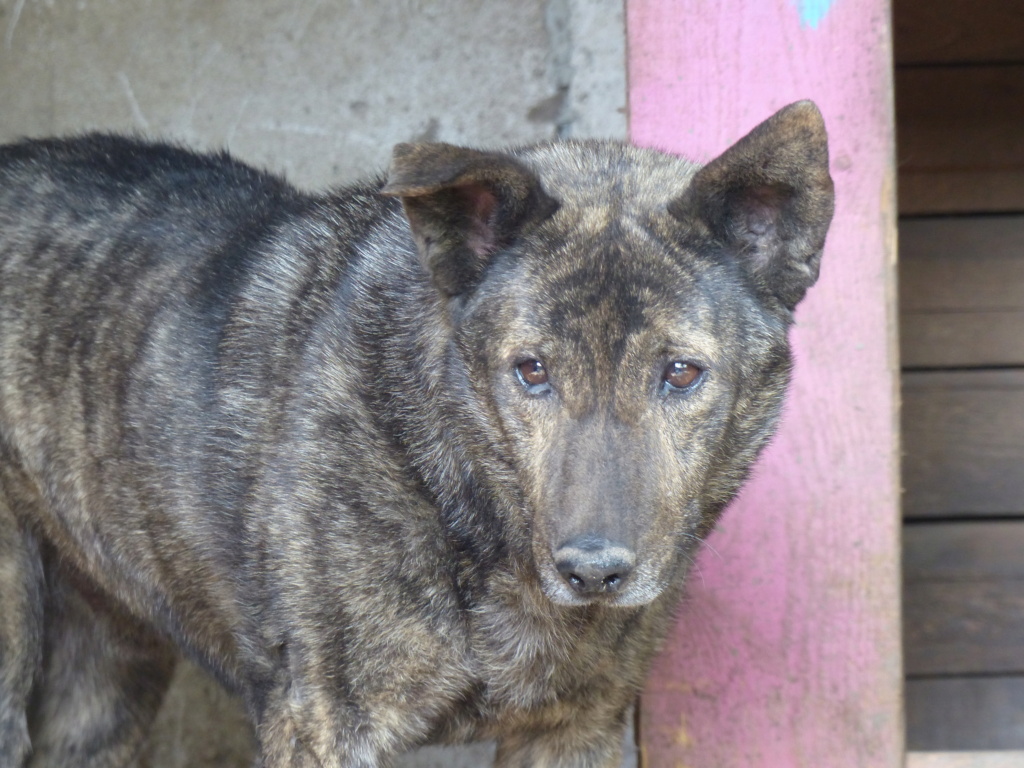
column 813, row 11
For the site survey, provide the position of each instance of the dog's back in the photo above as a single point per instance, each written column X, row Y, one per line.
column 108, row 248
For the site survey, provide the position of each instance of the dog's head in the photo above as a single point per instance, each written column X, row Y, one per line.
column 621, row 316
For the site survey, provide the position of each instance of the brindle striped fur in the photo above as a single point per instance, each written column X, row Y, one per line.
column 287, row 435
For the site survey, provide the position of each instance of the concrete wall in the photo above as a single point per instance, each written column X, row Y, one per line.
column 314, row 88
column 319, row 90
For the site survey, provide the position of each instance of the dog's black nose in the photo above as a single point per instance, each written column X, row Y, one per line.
column 594, row 566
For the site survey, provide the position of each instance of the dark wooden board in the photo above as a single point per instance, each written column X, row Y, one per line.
column 963, row 552
column 975, row 627
column 963, row 440
column 961, row 263
column 965, row 713
column 962, row 340
column 963, row 598
column 960, row 143
column 957, row 31
column 961, row 290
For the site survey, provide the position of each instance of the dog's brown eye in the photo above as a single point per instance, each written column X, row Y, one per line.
column 533, row 376
column 681, row 375
column 533, row 372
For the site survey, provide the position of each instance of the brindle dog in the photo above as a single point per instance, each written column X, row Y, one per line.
column 417, row 460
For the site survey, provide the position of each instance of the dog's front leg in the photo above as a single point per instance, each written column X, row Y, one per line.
column 102, row 682
column 317, row 733
column 21, row 619
column 563, row 748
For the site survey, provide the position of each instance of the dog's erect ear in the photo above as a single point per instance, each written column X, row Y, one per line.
column 769, row 198
column 463, row 205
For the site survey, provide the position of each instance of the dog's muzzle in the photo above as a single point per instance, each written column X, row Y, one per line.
column 594, row 566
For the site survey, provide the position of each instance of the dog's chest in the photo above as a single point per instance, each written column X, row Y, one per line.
column 535, row 666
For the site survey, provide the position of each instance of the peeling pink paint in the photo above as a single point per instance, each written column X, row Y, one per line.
column 787, row 653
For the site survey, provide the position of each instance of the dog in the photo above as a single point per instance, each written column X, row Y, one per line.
column 419, row 460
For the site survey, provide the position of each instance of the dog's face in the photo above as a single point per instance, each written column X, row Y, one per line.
column 622, row 316
column 616, row 365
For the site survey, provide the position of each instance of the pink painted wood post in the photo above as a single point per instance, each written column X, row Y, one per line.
column 787, row 652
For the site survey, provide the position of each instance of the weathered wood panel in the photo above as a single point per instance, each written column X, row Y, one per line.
column 963, row 713
column 962, row 339
column 963, row 598
column 961, row 147
column 963, row 436
column 957, row 32
column 961, row 286
column 961, row 150
column 1006, row 759
column 976, row 627
column 962, row 263
column 964, row 551
column 788, row 652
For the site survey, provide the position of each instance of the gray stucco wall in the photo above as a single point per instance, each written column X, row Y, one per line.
column 319, row 90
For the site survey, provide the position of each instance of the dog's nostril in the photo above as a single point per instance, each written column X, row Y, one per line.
column 593, row 566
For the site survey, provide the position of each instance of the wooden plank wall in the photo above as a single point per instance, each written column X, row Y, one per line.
column 960, row 124
column 787, row 653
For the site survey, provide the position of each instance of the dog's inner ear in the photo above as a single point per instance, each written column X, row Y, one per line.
column 769, row 199
column 463, row 205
